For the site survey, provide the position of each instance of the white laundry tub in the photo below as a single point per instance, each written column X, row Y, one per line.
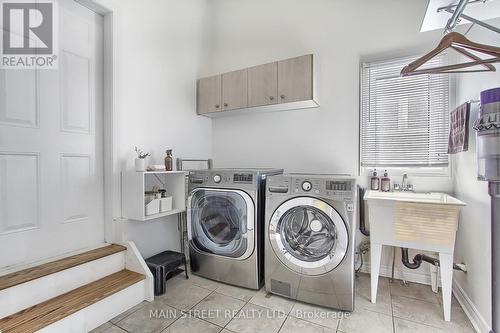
column 422, row 221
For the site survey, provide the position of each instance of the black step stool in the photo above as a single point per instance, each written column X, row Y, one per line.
column 162, row 264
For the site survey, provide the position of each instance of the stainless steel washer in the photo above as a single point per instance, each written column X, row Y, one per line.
column 226, row 224
column 309, row 239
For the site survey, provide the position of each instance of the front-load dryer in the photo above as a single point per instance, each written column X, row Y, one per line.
column 309, row 239
column 226, row 224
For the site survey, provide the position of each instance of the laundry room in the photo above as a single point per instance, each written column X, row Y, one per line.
column 250, row 166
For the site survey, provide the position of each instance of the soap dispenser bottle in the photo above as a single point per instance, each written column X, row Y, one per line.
column 169, row 160
column 385, row 183
column 374, row 181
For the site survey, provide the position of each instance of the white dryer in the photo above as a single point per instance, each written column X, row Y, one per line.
column 309, row 239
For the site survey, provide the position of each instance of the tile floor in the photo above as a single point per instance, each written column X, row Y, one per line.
column 201, row 305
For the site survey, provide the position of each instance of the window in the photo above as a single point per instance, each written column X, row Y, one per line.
column 404, row 120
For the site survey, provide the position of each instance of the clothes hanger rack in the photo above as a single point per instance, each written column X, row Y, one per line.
column 460, row 44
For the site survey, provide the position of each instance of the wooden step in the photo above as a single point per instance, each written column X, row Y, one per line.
column 32, row 273
column 52, row 310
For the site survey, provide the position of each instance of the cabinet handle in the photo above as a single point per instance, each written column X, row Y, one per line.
column 225, row 105
column 217, row 106
column 282, row 96
column 271, row 98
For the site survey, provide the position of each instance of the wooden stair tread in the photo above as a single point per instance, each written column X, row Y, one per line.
column 32, row 273
column 41, row 315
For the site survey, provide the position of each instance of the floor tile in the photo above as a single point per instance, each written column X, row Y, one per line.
column 430, row 314
column 362, row 321
column 317, row 315
column 107, row 328
column 102, row 328
column 272, row 301
column 256, row 319
column 200, row 281
column 151, row 318
column 405, row 326
column 188, row 324
column 363, row 295
column 414, row 290
column 128, row 312
column 294, row 325
column 217, row 308
column 183, row 295
column 236, row 292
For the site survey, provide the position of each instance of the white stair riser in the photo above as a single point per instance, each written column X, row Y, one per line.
column 98, row 313
column 30, row 293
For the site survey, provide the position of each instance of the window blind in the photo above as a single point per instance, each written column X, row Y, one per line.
column 404, row 120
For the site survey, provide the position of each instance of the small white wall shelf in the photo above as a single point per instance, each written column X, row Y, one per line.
column 134, row 185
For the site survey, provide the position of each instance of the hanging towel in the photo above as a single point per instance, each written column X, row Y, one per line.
column 459, row 129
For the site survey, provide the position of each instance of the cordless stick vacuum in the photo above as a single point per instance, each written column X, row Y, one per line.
column 488, row 154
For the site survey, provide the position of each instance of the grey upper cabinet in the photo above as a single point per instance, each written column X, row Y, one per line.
column 276, row 86
column 209, row 95
column 235, row 90
column 295, row 79
column 263, row 84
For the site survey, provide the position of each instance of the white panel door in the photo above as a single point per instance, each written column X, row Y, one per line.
column 51, row 147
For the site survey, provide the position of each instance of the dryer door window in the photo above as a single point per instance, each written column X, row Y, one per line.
column 308, row 236
column 221, row 222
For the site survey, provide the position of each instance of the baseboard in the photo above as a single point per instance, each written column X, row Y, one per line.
column 477, row 320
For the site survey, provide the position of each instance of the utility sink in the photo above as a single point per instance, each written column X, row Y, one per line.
column 415, row 197
column 422, row 221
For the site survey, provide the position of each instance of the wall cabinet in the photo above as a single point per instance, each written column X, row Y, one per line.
column 277, row 86
column 295, row 79
column 263, row 84
column 209, row 98
column 235, row 90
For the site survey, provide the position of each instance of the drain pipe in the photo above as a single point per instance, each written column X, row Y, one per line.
column 362, row 222
column 419, row 258
column 494, row 190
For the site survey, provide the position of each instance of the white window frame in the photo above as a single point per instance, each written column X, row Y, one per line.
column 445, row 171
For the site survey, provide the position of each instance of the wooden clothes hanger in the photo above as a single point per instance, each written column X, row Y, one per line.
column 460, row 44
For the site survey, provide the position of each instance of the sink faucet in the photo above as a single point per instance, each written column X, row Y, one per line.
column 404, row 182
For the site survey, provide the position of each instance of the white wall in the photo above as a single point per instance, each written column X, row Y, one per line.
column 473, row 239
column 159, row 47
column 341, row 34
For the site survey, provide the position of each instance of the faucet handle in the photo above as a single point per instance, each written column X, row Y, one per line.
column 396, row 187
column 409, row 187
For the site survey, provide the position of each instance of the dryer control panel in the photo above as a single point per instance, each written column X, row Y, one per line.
column 320, row 186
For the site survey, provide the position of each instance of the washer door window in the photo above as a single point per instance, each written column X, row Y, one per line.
column 308, row 236
column 221, row 222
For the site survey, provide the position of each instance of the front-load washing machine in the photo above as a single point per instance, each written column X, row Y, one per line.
column 226, row 224
column 309, row 239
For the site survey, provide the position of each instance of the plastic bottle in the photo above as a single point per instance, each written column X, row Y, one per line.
column 169, row 160
column 385, row 183
column 375, row 181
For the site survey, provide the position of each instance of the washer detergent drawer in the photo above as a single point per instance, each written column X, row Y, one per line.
column 221, row 222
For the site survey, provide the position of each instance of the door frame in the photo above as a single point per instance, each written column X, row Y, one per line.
column 113, row 228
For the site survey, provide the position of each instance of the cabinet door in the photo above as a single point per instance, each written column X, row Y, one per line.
column 209, row 95
column 235, row 90
column 263, row 84
column 295, row 79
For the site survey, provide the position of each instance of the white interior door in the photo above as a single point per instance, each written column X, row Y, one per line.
column 51, row 147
